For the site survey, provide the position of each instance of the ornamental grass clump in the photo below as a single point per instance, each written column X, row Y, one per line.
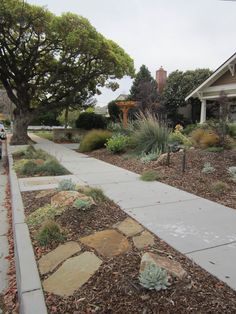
column 154, row 278
column 51, row 167
column 219, row 187
column 94, row 139
column 150, row 175
column 50, row 233
column 150, row 135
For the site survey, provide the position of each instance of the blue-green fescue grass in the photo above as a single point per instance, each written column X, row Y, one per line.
column 150, row 135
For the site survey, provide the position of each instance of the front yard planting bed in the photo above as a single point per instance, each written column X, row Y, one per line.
column 114, row 287
column 31, row 162
column 193, row 180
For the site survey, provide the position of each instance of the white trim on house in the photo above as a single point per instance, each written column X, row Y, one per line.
column 227, row 65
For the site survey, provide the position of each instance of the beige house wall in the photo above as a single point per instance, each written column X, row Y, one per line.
column 226, row 78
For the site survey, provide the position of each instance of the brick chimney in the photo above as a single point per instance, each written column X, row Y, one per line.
column 161, row 76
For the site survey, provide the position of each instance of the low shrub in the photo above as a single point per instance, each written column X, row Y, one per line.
column 154, row 278
column 91, row 120
column 219, row 187
column 42, row 214
column 117, row 143
column 178, row 137
column 215, row 149
column 50, row 233
column 94, row 139
column 66, row 185
column 232, row 130
column 208, row 168
column 146, row 158
column 150, row 175
column 189, row 129
column 150, row 134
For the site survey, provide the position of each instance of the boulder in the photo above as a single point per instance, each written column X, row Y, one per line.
column 173, row 268
column 67, row 198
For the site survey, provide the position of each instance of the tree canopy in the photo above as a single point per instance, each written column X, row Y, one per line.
column 179, row 84
column 144, row 90
column 49, row 61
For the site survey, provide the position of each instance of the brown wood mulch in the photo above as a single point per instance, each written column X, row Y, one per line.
column 115, row 287
column 192, row 180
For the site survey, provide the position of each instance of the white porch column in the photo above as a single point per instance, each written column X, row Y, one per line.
column 203, row 111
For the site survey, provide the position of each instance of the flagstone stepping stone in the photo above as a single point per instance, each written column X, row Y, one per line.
column 172, row 267
column 73, row 273
column 50, row 261
column 67, row 198
column 107, row 242
column 143, row 240
column 129, row 227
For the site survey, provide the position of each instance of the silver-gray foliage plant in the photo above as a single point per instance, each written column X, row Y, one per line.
column 153, row 155
column 66, row 185
column 154, row 278
column 232, row 172
column 208, row 168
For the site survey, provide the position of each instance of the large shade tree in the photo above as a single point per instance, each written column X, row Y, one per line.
column 49, row 61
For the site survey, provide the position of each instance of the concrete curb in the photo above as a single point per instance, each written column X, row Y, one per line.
column 30, row 293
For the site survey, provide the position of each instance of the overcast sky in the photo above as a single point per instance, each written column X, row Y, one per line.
column 177, row 34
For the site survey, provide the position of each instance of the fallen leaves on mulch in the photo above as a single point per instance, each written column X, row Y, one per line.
column 192, row 180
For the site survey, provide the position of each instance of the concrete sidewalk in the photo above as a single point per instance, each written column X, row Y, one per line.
column 203, row 230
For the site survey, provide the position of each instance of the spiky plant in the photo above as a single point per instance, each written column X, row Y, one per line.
column 154, row 278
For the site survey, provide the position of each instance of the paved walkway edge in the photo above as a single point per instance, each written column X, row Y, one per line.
column 30, row 292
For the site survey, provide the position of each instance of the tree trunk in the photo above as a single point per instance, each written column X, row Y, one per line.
column 66, row 117
column 20, row 126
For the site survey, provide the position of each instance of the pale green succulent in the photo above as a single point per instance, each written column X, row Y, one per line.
column 154, row 278
column 82, row 204
column 208, row 168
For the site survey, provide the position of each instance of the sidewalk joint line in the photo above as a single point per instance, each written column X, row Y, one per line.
column 211, row 247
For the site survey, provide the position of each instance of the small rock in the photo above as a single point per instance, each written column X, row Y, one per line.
column 73, row 273
column 129, row 227
column 143, row 240
column 173, row 268
column 67, row 198
column 50, row 261
column 107, row 242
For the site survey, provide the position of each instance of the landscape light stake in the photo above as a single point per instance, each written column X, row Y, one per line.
column 168, row 156
column 184, row 161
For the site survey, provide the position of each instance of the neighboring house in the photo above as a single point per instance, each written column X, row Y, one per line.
column 122, row 97
column 223, row 79
column 101, row 110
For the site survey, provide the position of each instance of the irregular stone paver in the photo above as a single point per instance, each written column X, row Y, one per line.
column 107, row 242
column 74, row 272
column 67, row 198
column 143, row 240
column 50, row 261
column 172, row 267
column 129, row 227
